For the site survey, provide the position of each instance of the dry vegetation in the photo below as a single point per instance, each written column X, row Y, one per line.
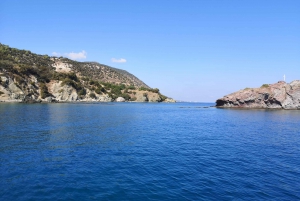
column 31, row 73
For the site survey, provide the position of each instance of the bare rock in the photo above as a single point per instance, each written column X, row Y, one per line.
column 274, row 96
column 104, row 98
column 170, row 100
column 141, row 96
column 154, row 97
column 120, row 99
column 11, row 92
column 62, row 93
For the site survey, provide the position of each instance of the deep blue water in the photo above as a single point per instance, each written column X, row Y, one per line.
column 139, row 151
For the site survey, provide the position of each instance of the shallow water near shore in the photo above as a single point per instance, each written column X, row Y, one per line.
column 148, row 151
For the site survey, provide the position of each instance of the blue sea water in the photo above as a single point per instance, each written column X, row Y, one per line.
column 144, row 151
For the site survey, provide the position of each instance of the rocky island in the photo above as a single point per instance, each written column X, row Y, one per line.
column 280, row 95
column 29, row 77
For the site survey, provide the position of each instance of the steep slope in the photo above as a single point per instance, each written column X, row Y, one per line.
column 29, row 77
column 96, row 71
column 280, row 95
column 92, row 70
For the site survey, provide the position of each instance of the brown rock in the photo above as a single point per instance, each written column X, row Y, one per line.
column 274, row 96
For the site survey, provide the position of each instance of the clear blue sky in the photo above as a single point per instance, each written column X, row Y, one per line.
column 191, row 50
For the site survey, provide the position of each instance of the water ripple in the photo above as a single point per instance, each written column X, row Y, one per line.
column 147, row 152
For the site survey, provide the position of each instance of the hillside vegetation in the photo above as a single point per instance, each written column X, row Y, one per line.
column 25, row 76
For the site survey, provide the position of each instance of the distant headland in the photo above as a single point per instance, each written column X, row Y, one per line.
column 280, row 95
column 29, row 77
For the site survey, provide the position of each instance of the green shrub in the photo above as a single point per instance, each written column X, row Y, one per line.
column 155, row 90
column 264, row 86
column 125, row 96
column 162, row 97
column 74, row 84
column 143, row 89
column 113, row 96
column 103, row 90
column 27, row 70
column 73, row 76
column 19, row 80
column 116, row 91
column 82, row 92
column 131, row 87
column 63, row 76
column 85, row 78
column 44, row 90
column 122, row 86
column 5, row 64
column 107, row 85
column 68, row 81
column 133, row 99
column 92, row 82
column 100, row 90
column 92, row 95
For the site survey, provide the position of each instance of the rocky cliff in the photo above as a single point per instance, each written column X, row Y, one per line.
column 280, row 95
column 29, row 77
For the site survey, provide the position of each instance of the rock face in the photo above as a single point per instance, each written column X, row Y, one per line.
column 120, row 99
column 280, row 95
column 153, row 97
column 62, row 93
column 10, row 91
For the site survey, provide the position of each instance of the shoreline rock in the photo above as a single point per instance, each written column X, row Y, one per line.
column 120, row 99
column 280, row 95
column 31, row 92
column 170, row 100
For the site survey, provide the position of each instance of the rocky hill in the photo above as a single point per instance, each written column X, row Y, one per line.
column 29, row 77
column 280, row 95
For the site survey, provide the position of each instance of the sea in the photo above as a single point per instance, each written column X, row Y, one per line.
column 148, row 151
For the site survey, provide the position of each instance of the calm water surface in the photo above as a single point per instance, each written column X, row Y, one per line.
column 136, row 151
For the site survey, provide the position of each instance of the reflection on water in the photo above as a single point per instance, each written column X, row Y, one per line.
column 138, row 151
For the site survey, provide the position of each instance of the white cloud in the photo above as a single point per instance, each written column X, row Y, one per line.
column 72, row 55
column 75, row 56
column 56, row 54
column 118, row 60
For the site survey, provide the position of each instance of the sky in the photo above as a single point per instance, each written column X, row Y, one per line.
column 193, row 50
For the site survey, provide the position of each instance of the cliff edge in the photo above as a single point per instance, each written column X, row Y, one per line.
column 280, row 95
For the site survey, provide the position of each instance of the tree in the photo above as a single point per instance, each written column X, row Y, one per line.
column 92, row 95
column 44, row 90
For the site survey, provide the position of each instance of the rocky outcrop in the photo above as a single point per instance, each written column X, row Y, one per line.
column 149, row 96
column 62, row 93
column 141, row 97
column 120, row 99
column 31, row 91
column 10, row 91
column 153, row 97
column 280, row 95
column 170, row 100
